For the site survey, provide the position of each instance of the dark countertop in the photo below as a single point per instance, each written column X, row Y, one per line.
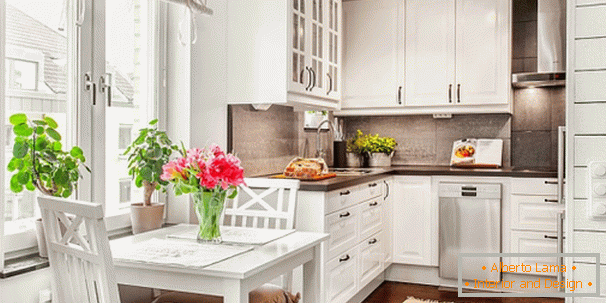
column 428, row 170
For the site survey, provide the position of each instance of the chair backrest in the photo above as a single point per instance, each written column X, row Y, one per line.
column 263, row 203
column 82, row 265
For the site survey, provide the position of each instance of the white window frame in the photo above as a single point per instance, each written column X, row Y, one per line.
column 23, row 243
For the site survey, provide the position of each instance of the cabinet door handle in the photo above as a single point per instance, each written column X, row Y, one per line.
column 309, row 84
column 387, row 189
column 400, row 95
column 346, row 214
column 372, row 241
column 375, row 203
column 552, row 201
column 313, row 79
column 346, row 258
column 301, row 76
column 449, row 93
column 552, row 237
column 458, row 93
column 344, row 193
column 372, row 184
column 551, row 182
column 330, row 84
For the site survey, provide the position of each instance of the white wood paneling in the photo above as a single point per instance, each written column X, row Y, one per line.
column 588, row 149
column 590, row 21
column 590, row 86
column 586, row 273
column 342, row 276
column 343, row 228
column 580, row 183
column 371, row 259
column 590, row 2
column 587, row 116
column 582, row 220
column 371, row 217
column 590, row 54
column 535, row 243
column 590, row 242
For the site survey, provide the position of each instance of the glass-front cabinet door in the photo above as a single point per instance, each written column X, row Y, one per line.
column 318, row 55
column 332, row 76
column 300, row 75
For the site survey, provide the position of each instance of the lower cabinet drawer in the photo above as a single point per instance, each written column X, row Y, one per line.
column 342, row 276
column 535, row 212
column 371, row 217
column 342, row 198
column 343, row 229
column 534, row 186
column 586, row 273
column 372, row 258
column 534, row 243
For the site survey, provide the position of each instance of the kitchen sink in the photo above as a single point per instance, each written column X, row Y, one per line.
column 351, row 171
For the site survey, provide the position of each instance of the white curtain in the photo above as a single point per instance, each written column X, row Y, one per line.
column 196, row 6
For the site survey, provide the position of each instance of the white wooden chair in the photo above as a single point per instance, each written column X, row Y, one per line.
column 261, row 203
column 82, row 266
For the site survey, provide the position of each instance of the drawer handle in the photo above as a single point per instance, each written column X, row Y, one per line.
column 344, row 193
column 372, row 241
column 372, row 184
column 552, row 201
column 552, row 237
column 346, row 214
column 375, row 203
column 346, row 258
column 551, row 182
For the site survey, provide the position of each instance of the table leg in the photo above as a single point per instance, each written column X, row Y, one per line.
column 312, row 278
column 234, row 292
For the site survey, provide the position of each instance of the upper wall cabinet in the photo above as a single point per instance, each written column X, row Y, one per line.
column 285, row 52
column 373, row 54
column 457, row 52
column 456, row 57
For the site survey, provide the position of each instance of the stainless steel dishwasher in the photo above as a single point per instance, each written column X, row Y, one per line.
column 470, row 222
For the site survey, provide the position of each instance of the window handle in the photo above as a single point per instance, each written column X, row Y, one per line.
column 106, row 87
column 91, row 87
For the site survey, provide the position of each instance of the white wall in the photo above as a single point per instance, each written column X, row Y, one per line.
column 196, row 89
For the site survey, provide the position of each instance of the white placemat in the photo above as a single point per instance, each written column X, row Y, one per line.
column 241, row 235
column 178, row 253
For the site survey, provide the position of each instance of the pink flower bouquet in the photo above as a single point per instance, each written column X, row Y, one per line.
column 209, row 175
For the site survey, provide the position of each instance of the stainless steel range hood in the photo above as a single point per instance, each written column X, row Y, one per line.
column 551, row 47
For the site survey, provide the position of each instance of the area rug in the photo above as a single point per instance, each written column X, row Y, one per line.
column 415, row 300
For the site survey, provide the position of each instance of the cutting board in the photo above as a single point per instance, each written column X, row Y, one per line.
column 318, row 178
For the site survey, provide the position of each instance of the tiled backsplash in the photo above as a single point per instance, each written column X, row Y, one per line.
column 266, row 141
column 427, row 141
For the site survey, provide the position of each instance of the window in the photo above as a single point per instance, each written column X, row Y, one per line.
column 125, row 190
column 124, row 136
column 21, row 74
column 42, row 80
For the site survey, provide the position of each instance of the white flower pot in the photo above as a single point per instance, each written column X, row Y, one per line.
column 354, row 160
column 379, row 159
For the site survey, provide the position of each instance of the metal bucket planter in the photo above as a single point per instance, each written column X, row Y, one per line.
column 379, row 159
column 354, row 160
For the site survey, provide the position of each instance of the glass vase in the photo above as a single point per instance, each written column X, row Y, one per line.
column 208, row 206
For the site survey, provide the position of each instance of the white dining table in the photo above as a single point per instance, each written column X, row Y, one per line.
column 232, row 278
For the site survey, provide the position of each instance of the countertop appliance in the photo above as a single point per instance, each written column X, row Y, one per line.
column 470, row 222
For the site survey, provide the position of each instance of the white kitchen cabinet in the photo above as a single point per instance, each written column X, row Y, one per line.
column 373, row 54
column 260, row 72
column 412, row 220
column 372, row 259
column 342, row 276
column 538, row 213
column 388, row 219
column 536, row 243
column 457, row 52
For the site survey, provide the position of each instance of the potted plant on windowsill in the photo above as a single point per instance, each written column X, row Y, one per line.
column 39, row 162
column 146, row 156
column 380, row 150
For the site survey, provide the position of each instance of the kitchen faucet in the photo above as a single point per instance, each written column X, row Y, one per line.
column 320, row 153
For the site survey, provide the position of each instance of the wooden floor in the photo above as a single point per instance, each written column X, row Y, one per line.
column 393, row 292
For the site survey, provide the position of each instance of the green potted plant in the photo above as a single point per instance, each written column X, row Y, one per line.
column 380, row 150
column 355, row 150
column 39, row 162
column 146, row 155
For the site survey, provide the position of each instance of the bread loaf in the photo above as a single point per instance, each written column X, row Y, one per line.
column 305, row 168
